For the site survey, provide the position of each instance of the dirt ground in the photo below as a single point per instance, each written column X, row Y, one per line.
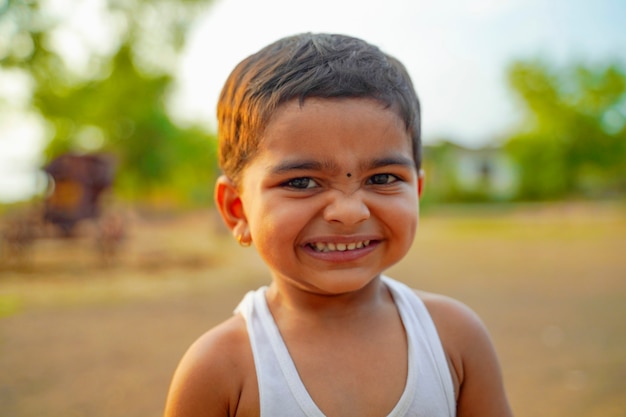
column 79, row 337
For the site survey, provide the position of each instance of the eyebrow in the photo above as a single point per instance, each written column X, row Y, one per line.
column 315, row 165
column 384, row 161
column 302, row 165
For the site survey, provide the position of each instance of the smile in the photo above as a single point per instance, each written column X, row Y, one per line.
column 339, row 247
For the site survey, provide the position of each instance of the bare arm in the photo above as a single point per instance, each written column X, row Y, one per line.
column 475, row 368
column 213, row 374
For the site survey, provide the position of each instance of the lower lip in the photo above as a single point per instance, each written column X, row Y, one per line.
column 339, row 256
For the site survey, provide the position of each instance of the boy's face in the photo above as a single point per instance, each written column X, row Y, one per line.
column 331, row 198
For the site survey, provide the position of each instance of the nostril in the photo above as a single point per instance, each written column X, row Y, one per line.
column 347, row 210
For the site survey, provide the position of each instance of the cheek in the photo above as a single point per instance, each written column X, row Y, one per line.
column 273, row 223
column 405, row 216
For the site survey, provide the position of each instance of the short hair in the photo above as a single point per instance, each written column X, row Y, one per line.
column 300, row 67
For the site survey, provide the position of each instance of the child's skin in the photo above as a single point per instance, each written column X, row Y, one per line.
column 350, row 180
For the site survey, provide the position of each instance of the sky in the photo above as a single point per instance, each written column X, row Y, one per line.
column 456, row 52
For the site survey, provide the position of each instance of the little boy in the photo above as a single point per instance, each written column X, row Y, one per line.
column 320, row 150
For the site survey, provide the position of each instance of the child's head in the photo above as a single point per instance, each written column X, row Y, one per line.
column 300, row 67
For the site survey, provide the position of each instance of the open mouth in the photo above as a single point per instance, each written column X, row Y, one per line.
column 338, row 247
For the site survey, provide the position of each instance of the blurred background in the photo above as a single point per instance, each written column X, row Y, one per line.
column 112, row 260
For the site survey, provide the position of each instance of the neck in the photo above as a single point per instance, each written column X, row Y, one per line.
column 285, row 300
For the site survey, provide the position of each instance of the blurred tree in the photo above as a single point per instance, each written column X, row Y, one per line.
column 573, row 139
column 108, row 93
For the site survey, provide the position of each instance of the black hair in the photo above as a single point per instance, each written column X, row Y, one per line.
column 303, row 66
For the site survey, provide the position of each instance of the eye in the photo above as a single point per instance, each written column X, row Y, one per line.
column 381, row 179
column 302, row 183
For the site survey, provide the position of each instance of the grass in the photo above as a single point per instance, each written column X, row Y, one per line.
column 80, row 338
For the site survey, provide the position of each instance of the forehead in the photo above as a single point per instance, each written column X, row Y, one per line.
column 339, row 126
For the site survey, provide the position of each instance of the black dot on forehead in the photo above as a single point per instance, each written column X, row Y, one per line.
column 348, row 175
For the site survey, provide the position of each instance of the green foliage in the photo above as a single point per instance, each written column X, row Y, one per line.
column 116, row 102
column 573, row 140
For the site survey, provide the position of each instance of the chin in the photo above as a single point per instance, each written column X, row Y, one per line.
column 342, row 283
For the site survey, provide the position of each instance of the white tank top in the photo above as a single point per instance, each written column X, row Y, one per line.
column 428, row 391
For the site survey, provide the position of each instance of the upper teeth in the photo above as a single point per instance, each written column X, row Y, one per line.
column 341, row 247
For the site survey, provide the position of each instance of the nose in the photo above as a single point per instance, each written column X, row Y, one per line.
column 346, row 209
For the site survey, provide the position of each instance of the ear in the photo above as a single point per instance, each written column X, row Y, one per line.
column 420, row 182
column 228, row 202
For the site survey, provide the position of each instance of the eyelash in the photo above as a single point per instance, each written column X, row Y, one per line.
column 291, row 183
column 390, row 179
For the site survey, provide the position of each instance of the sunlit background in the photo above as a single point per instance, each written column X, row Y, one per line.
column 486, row 72
column 107, row 136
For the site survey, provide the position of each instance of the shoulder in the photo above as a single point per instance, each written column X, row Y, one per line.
column 214, row 373
column 471, row 355
column 455, row 321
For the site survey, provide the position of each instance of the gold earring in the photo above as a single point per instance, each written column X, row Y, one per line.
column 244, row 243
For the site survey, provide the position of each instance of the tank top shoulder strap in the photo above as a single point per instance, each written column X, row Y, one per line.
column 427, row 352
column 281, row 391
